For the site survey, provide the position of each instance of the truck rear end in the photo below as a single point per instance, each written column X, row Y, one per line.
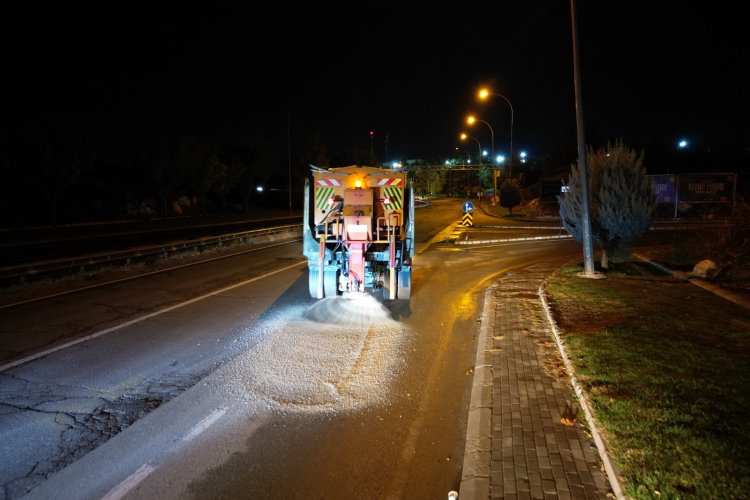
column 358, row 232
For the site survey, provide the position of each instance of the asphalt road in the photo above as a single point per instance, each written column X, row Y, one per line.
column 228, row 381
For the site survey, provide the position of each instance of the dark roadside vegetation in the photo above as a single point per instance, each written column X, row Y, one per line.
column 26, row 252
column 664, row 364
column 39, row 243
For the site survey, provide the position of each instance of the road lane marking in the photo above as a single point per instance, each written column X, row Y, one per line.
column 129, row 483
column 204, row 424
column 143, row 318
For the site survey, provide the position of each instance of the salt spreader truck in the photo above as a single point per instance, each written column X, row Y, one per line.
column 358, row 232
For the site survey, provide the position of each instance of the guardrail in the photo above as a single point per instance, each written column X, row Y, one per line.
column 28, row 272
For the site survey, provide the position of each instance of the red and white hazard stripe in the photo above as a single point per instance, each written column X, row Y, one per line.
column 386, row 181
column 328, row 182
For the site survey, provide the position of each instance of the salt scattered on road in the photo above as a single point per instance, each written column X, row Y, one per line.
column 339, row 354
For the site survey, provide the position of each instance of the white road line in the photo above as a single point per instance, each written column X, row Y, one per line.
column 204, row 424
column 143, row 318
column 129, row 483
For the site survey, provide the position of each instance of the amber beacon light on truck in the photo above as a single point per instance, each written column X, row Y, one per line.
column 358, row 231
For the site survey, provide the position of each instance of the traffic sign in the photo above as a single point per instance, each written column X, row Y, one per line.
column 468, row 207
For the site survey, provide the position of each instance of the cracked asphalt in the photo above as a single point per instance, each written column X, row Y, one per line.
column 71, row 422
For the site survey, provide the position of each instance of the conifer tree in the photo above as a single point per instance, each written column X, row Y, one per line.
column 510, row 194
column 622, row 204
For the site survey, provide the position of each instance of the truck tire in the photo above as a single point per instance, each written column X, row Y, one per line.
column 331, row 283
column 387, row 285
column 404, row 284
column 312, row 280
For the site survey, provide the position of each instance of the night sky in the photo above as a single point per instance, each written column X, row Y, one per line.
column 652, row 72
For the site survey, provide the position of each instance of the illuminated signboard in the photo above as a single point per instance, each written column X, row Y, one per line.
column 664, row 187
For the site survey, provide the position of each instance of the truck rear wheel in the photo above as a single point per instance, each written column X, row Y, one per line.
column 331, row 283
column 404, row 284
column 386, row 285
column 312, row 281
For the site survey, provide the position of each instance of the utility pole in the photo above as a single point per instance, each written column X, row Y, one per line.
column 588, row 245
column 289, row 153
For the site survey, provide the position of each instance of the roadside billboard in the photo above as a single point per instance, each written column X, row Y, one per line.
column 549, row 189
column 665, row 188
column 707, row 188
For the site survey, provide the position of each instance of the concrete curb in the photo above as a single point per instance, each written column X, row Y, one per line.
column 613, row 472
column 706, row 285
column 506, row 240
column 475, row 477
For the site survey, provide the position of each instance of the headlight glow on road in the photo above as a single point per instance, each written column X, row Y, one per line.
column 358, row 309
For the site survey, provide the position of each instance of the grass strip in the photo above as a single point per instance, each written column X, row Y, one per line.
column 665, row 366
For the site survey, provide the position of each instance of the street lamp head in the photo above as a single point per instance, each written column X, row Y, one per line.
column 483, row 94
column 471, row 119
column 464, row 136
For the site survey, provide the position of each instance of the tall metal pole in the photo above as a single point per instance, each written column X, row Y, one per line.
column 492, row 135
column 494, row 177
column 510, row 162
column 289, row 154
column 483, row 95
column 479, row 150
column 588, row 246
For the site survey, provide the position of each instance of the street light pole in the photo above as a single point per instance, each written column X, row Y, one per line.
column 289, row 154
column 483, row 94
column 588, row 240
column 479, row 146
column 470, row 120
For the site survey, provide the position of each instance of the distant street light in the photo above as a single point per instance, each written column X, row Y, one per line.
column 479, row 146
column 483, row 95
column 471, row 119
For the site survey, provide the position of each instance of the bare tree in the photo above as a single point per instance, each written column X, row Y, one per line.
column 163, row 173
column 258, row 162
column 199, row 162
column 53, row 160
column 228, row 174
